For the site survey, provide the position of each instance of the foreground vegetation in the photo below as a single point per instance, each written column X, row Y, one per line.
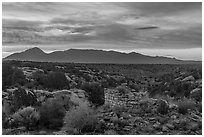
column 67, row 98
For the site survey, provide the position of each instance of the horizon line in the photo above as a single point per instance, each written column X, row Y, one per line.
column 104, row 50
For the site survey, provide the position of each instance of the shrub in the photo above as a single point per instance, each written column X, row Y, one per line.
column 104, row 83
column 95, row 93
column 197, row 74
column 11, row 75
column 184, row 105
column 39, row 78
column 56, row 80
column 134, row 86
column 53, row 80
column 183, row 123
column 30, row 85
column 65, row 101
column 27, row 117
column 123, row 123
column 101, row 126
column 145, row 105
column 163, row 107
column 156, row 89
column 122, row 89
column 52, row 113
column 187, row 87
column 5, row 120
column 111, row 82
column 21, row 97
column 81, row 118
column 87, row 77
column 179, row 89
column 7, row 110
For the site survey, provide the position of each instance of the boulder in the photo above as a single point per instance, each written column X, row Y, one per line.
column 152, row 119
column 42, row 132
column 106, row 118
column 4, row 94
column 125, row 115
column 14, row 131
column 173, row 117
column 173, row 106
column 179, row 78
column 11, row 90
column 127, row 128
column 157, row 126
column 60, row 133
column 164, row 128
column 170, row 126
column 61, row 93
column 76, row 96
column 196, row 94
column 189, row 78
column 67, row 76
column 110, row 132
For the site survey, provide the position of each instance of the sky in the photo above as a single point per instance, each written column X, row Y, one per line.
column 151, row 28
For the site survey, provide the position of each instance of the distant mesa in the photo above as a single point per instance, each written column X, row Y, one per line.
column 93, row 56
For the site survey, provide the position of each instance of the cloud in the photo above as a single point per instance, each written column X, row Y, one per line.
column 148, row 28
column 161, row 8
column 119, row 25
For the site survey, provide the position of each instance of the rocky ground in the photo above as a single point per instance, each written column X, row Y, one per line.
column 151, row 122
column 150, row 115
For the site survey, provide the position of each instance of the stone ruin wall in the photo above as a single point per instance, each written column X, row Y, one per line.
column 113, row 98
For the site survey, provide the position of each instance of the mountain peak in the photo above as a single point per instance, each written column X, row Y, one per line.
column 34, row 49
column 33, row 54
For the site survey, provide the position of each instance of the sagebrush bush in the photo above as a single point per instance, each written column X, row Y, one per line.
column 81, row 118
column 21, row 97
column 52, row 80
column 56, row 80
column 27, row 117
column 52, row 113
column 95, row 93
column 156, row 89
column 11, row 75
column 184, row 105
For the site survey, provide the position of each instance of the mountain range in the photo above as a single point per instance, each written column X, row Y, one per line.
column 93, row 56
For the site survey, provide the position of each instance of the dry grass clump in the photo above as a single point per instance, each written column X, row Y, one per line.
column 80, row 120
